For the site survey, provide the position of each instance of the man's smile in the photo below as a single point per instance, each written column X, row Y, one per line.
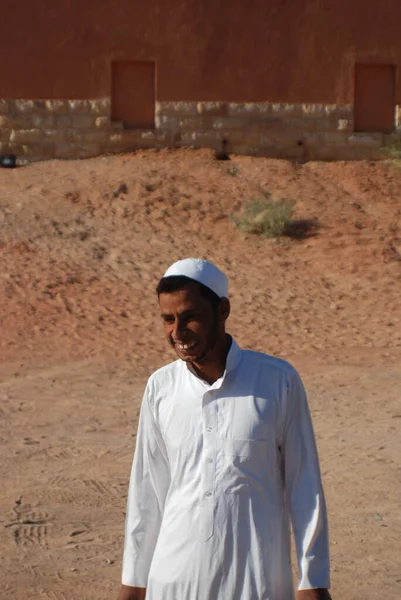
column 182, row 346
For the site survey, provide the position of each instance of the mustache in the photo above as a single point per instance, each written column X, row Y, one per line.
column 184, row 340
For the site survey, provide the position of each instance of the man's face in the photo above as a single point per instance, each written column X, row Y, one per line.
column 192, row 326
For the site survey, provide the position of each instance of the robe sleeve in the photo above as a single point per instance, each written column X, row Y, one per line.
column 149, row 483
column 304, row 491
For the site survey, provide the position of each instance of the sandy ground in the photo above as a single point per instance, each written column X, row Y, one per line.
column 82, row 245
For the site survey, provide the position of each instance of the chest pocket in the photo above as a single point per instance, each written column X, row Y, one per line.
column 246, row 465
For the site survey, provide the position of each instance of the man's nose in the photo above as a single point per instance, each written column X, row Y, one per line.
column 178, row 329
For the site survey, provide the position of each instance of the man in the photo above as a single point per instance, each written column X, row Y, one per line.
column 225, row 454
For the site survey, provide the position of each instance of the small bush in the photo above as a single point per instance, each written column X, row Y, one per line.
column 267, row 217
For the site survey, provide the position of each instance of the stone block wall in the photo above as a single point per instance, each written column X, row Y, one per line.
column 67, row 129
column 294, row 131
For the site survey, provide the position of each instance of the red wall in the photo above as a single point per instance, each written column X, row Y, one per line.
column 234, row 50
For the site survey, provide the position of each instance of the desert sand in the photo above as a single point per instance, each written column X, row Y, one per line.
column 82, row 246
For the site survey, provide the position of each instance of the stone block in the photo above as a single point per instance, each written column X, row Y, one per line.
column 265, row 123
column 258, row 151
column 79, row 106
column 42, row 121
column 313, row 111
column 40, row 107
column 284, row 139
column 26, row 136
column 64, row 122
column 290, row 152
column 241, row 149
column 334, row 138
column 166, row 139
column 116, row 138
column 266, row 139
column 74, row 151
column 205, row 139
column 244, row 150
column 271, row 152
column 82, row 121
column 72, row 136
column 322, row 152
column 229, row 123
column 121, row 145
column 368, row 153
column 89, row 150
column 345, row 125
column 243, row 138
column 176, row 109
column 40, row 150
column 11, row 148
column 120, row 142
column 188, row 138
column 249, row 109
column 5, row 134
column 197, row 136
column 331, row 110
column 143, row 138
column 284, row 110
column 149, row 135
column 102, row 122
column 100, row 107
column 57, row 107
column 53, row 135
column 117, row 125
column 364, row 139
column 327, row 124
column 19, row 121
column 198, row 123
column 95, row 136
column 4, row 107
column 313, row 139
column 65, row 150
column 299, row 125
column 345, row 153
column 22, row 106
column 344, row 111
column 215, row 109
column 167, row 122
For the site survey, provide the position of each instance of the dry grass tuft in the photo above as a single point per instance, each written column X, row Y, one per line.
column 267, row 217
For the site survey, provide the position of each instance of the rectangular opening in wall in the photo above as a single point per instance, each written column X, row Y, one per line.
column 133, row 93
column 374, row 100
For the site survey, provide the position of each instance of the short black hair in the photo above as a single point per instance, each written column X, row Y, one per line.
column 175, row 283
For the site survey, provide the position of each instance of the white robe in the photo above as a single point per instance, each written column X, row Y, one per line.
column 217, row 472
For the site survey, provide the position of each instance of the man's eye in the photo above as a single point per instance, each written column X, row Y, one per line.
column 192, row 317
column 168, row 320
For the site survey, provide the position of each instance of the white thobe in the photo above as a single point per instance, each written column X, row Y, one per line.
column 217, row 473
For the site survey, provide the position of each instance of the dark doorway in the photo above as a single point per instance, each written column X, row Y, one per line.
column 374, row 102
column 133, row 93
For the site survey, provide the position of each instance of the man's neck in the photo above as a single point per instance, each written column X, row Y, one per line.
column 212, row 368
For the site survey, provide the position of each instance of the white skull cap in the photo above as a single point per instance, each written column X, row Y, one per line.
column 201, row 271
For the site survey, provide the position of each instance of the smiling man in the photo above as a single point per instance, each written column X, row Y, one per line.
column 225, row 458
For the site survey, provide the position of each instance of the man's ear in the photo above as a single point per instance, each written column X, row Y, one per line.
column 224, row 309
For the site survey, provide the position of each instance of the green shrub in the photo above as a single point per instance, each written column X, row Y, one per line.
column 267, row 217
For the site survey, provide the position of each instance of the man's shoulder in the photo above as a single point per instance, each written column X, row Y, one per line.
column 267, row 361
column 166, row 373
